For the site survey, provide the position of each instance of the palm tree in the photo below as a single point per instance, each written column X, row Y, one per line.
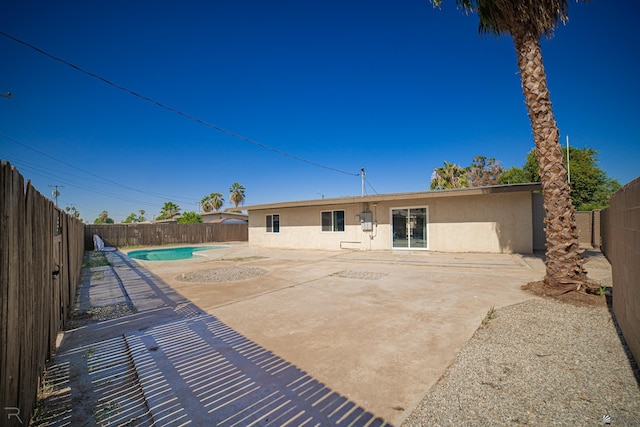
column 217, row 201
column 169, row 210
column 449, row 176
column 212, row 201
column 236, row 193
column 526, row 21
column 206, row 204
column 73, row 211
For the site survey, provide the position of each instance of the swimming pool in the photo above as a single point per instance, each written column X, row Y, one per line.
column 169, row 254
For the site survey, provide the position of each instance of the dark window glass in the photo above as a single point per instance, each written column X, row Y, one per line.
column 338, row 220
column 326, row 221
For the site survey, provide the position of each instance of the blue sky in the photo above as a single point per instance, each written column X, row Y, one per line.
column 395, row 87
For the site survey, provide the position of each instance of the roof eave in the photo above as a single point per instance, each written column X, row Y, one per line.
column 496, row 189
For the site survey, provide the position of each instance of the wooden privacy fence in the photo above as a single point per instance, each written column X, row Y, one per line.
column 41, row 250
column 119, row 235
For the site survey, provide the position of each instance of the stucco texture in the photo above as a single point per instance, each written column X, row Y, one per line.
column 490, row 223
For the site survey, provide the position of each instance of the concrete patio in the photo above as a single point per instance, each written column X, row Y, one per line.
column 323, row 337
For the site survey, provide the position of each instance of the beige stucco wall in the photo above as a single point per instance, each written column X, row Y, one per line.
column 476, row 223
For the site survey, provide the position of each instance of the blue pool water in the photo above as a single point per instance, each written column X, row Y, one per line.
column 169, row 254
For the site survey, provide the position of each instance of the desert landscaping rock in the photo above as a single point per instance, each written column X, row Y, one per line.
column 222, row 274
column 541, row 362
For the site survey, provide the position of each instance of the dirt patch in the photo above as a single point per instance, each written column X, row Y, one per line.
column 244, row 258
column 581, row 299
column 364, row 275
column 222, row 274
column 80, row 318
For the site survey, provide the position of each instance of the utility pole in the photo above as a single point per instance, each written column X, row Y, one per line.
column 55, row 193
column 568, row 166
column 362, row 175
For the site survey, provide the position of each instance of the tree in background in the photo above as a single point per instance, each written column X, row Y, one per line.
column 514, row 175
column 189, row 217
column 448, row 177
column 524, row 175
column 168, row 211
column 217, row 200
column 103, row 218
column 484, row 172
column 212, row 201
column 133, row 217
column 590, row 185
column 73, row 212
column 526, row 21
column 205, row 204
column 236, row 193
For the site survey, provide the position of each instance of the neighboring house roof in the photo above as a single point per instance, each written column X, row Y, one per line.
column 496, row 189
column 225, row 215
column 174, row 219
column 228, row 221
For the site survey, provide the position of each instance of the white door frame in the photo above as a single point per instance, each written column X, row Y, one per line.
column 408, row 208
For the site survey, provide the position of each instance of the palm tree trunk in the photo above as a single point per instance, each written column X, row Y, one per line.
column 564, row 265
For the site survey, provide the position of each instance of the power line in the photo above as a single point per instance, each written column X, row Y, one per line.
column 46, row 173
column 367, row 181
column 174, row 110
column 160, row 196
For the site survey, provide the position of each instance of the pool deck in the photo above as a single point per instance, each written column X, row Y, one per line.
column 335, row 338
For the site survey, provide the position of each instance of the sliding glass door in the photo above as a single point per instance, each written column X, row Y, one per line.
column 409, row 228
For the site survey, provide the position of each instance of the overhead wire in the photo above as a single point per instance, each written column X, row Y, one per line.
column 367, row 182
column 45, row 173
column 175, row 110
column 160, row 196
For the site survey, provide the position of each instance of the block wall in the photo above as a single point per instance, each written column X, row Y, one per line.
column 620, row 229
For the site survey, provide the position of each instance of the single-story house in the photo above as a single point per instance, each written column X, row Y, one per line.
column 224, row 217
column 496, row 219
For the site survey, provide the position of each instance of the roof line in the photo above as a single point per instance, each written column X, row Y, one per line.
column 495, row 189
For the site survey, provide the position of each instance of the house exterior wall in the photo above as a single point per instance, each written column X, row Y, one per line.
column 496, row 223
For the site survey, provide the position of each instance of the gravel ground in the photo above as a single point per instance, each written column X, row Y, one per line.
column 79, row 318
column 541, row 362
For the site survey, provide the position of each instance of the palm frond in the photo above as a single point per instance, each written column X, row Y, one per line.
column 516, row 17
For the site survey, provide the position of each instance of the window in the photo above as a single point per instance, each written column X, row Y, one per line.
column 273, row 223
column 333, row 221
column 409, row 228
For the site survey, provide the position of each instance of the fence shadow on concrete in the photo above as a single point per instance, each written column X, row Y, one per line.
column 221, row 377
column 172, row 364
